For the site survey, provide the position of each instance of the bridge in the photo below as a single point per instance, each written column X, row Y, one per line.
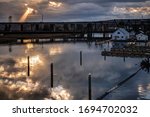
column 74, row 30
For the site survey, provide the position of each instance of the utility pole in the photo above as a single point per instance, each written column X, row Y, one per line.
column 10, row 19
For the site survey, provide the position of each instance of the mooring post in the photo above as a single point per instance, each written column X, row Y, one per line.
column 89, row 86
column 28, row 66
column 80, row 58
column 52, row 75
column 108, row 44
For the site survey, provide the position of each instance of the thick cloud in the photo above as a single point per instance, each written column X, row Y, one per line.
column 99, row 1
column 75, row 10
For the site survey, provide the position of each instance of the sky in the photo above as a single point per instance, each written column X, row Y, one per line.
column 73, row 10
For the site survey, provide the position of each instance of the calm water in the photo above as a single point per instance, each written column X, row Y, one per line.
column 70, row 79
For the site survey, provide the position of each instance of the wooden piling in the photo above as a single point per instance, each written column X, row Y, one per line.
column 124, row 59
column 52, row 74
column 89, row 87
column 80, row 58
column 28, row 66
column 108, row 44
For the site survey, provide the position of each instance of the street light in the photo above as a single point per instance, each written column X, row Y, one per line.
column 42, row 16
column 10, row 19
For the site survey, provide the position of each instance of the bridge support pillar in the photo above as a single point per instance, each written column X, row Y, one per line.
column 22, row 41
column 37, row 40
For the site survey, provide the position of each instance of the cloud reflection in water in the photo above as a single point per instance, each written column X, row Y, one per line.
column 70, row 79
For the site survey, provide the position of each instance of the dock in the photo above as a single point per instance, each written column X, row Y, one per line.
column 132, row 51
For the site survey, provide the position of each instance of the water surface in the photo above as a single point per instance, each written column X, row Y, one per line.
column 70, row 78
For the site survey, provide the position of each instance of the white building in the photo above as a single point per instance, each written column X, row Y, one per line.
column 120, row 34
column 141, row 37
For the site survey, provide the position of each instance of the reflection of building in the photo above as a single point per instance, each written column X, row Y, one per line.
column 142, row 37
column 144, row 91
column 120, row 34
column 119, row 44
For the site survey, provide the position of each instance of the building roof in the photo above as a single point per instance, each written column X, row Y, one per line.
column 141, row 34
column 125, row 32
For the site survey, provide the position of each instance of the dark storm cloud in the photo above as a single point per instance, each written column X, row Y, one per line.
column 10, row 9
column 99, row 1
column 71, row 9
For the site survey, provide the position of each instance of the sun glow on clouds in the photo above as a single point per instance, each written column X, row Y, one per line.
column 59, row 93
column 1, row 69
column 29, row 46
column 26, row 14
column 33, row 1
column 30, row 10
column 55, row 51
column 136, row 10
column 15, row 84
column 19, row 70
column 28, row 89
column 55, row 4
column 34, row 61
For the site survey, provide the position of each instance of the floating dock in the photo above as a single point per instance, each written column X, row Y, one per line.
column 133, row 51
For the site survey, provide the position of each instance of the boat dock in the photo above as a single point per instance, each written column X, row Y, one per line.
column 132, row 51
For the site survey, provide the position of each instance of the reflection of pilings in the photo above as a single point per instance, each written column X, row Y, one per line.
column 118, row 85
column 124, row 55
column 89, row 87
column 28, row 66
column 105, row 56
column 52, row 75
column 124, row 59
column 149, row 64
column 42, row 44
column 80, row 58
column 10, row 48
